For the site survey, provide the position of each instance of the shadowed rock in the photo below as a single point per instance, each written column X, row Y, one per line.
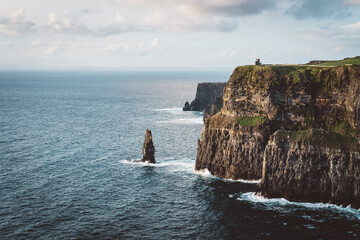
column 206, row 94
column 148, row 148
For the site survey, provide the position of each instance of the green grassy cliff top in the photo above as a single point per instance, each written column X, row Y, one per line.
column 344, row 62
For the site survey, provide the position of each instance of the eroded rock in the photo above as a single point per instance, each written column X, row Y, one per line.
column 148, row 148
column 312, row 166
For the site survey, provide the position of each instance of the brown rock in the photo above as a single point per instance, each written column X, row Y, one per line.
column 312, row 166
column 148, row 148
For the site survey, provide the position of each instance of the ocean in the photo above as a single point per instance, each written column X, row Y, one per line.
column 68, row 145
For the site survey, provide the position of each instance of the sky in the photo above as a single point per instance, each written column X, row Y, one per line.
column 173, row 34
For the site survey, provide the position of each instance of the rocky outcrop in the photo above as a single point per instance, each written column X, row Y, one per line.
column 229, row 150
column 213, row 108
column 260, row 100
column 312, row 166
column 206, row 93
column 148, row 148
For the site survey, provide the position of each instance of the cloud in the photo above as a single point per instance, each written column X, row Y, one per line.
column 169, row 16
column 16, row 23
column 6, row 44
column 209, row 7
column 64, row 23
column 55, row 47
column 338, row 36
column 319, row 9
column 36, row 43
column 130, row 48
column 353, row 2
column 226, row 54
column 52, row 50
column 186, row 15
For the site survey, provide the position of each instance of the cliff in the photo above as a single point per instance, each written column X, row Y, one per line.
column 312, row 166
column 260, row 100
column 206, row 94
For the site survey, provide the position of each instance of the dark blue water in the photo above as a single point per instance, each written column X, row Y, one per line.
column 67, row 145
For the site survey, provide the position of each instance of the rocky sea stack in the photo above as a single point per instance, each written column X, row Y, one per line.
column 295, row 127
column 148, row 148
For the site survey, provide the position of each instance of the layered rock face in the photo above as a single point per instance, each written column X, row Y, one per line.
column 206, row 93
column 312, row 166
column 148, row 148
column 259, row 100
column 229, row 150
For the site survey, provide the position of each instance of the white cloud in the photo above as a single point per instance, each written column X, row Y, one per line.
column 55, row 47
column 16, row 23
column 52, row 50
column 130, row 48
column 64, row 23
column 337, row 36
column 154, row 43
column 36, row 43
column 226, row 54
column 6, row 44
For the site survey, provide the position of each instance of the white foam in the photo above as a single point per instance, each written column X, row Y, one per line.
column 182, row 165
column 253, row 197
column 242, row 180
column 171, row 109
column 183, row 121
column 137, row 162
column 204, row 172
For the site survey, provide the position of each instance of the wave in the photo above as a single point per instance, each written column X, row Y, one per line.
column 206, row 173
column 242, row 180
column 183, row 121
column 253, row 197
column 171, row 109
column 182, row 165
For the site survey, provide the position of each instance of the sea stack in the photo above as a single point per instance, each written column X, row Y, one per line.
column 148, row 148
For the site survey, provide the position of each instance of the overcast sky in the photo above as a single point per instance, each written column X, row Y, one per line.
column 175, row 33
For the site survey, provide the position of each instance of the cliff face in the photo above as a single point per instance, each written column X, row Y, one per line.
column 312, row 166
column 206, row 94
column 259, row 100
column 232, row 151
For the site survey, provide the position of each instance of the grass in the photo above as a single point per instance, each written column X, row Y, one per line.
column 329, row 138
column 344, row 128
column 251, row 121
column 353, row 61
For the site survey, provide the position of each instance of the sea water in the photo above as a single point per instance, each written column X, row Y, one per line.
column 68, row 141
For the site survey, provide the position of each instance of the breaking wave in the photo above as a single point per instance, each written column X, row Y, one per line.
column 181, row 165
column 183, row 121
column 206, row 173
column 253, row 197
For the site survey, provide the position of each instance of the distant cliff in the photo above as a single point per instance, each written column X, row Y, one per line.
column 238, row 140
column 206, row 94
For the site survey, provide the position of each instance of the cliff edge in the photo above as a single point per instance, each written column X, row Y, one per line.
column 238, row 140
